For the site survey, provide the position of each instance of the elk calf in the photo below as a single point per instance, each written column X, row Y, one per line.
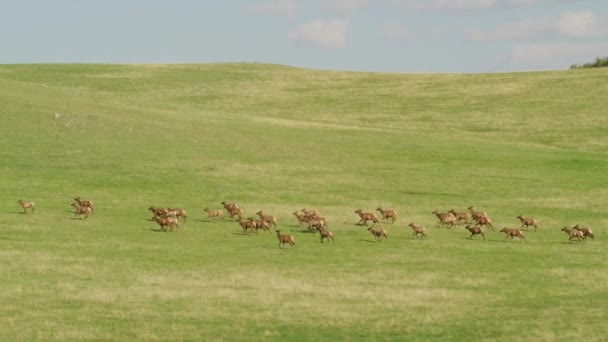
column 81, row 210
column 460, row 216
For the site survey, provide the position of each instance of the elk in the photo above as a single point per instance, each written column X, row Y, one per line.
column 378, row 233
column 178, row 212
column 85, row 203
column 229, row 206
column 477, row 230
column 283, row 239
column 418, row 230
column 301, row 217
column 271, row 220
column 170, row 221
column 310, row 212
column 214, row 213
column 445, row 218
column 527, row 222
column 388, row 214
column 484, row 221
column 157, row 212
column 27, row 205
column 512, row 232
column 586, row 231
column 316, row 222
column 573, row 233
column 460, row 216
column 325, row 234
column 235, row 212
column 366, row 217
column 81, row 210
column 476, row 214
column 247, row 225
column 257, row 224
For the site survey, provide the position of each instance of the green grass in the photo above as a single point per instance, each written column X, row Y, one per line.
column 279, row 139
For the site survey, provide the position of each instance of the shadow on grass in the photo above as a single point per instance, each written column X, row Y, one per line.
column 156, row 230
column 370, row 241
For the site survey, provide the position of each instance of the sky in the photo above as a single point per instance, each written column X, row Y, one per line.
column 361, row 35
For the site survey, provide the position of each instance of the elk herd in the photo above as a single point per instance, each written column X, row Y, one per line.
column 474, row 222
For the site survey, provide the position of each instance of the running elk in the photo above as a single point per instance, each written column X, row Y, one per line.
column 418, row 230
column 283, row 239
column 573, row 233
column 366, row 217
column 586, row 231
column 477, row 230
column 214, row 213
column 81, row 210
column 445, row 218
column 378, row 233
column 527, row 222
column 388, row 214
column 512, row 232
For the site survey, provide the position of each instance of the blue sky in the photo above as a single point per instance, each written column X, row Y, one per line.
column 364, row 35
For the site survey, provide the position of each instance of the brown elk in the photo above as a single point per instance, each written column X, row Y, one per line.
column 378, row 233
column 527, row 222
column 214, row 213
column 573, row 233
column 283, row 239
column 445, row 218
column 418, row 230
column 586, row 231
column 170, row 222
column 512, row 232
column 271, row 220
column 157, row 212
column 81, row 210
column 476, row 214
column 460, row 216
column 477, row 230
column 84, row 203
column 316, row 222
column 25, row 205
column 388, row 214
column 229, row 206
column 235, row 212
column 300, row 217
column 325, row 234
column 366, row 217
column 247, row 225
column 257, row 224
column 484, row 221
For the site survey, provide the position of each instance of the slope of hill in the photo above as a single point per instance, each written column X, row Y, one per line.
column 280, row 139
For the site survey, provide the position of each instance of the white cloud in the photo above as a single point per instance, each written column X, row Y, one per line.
column 319, row 33
column 523, row 29
column 469, row 5
column 569, row 24
column 347, row 7
column 395, row 33
column 554, row 56
column 580, row 24
column 286, row 8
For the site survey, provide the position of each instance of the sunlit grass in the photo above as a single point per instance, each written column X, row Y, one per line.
column 279, row 139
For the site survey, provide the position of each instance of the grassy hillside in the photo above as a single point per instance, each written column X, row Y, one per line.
column 280, row 139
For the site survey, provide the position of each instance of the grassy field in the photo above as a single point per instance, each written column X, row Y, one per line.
column 279, row 139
